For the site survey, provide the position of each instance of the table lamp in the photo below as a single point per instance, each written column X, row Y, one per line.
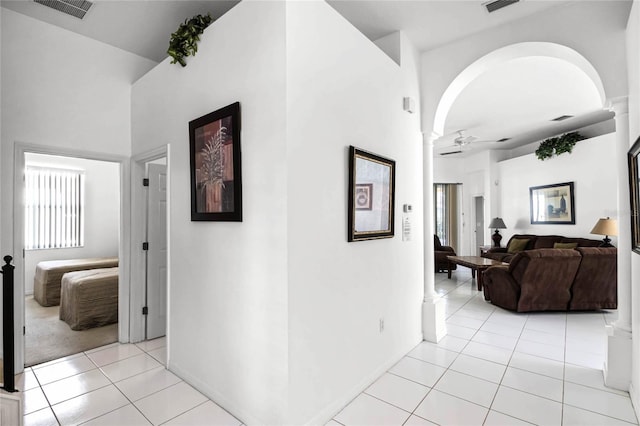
column 606, row 227
column 497, row 223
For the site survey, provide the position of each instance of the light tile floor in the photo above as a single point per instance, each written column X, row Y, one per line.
column 118, row 384
column 494, row 367
column 497, row 367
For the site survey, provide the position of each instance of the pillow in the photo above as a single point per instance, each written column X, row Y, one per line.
column 517, row 244
column 565, row 245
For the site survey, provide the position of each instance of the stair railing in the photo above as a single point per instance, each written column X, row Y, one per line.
column 8, row 326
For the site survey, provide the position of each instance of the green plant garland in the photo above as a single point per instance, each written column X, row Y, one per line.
column 184, row 42
column 558, row 145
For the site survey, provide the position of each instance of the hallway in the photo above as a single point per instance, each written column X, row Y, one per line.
column 494, row 368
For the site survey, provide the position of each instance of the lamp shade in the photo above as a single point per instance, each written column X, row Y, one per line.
column 497, row 223
column 605, row 227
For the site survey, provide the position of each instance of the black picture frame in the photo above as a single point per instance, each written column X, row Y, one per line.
column 216, row 166
column 634, row 192
column 377, row 175
column 552, row 204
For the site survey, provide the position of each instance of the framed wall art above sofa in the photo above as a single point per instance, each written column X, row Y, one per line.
column 552, row 204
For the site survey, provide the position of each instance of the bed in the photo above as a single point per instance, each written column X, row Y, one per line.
column 46, row 283
column 89, row 298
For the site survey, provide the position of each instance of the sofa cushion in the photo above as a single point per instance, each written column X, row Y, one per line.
column 582, row 242
column 546, row 241
column 532, row 240
column 565, row 245
column 517, row 244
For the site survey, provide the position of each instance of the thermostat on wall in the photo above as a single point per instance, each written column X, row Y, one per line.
column 408, row 104
column 407, row 208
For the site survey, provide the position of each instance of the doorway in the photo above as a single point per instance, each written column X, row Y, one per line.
column 103, row 179
column 150, row 254
column 478, row 203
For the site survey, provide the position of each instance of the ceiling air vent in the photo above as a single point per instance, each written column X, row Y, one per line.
column 77, row 8
column 492, row 6
column 562, row 118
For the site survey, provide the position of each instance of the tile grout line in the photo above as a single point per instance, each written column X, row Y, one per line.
column 111, row 382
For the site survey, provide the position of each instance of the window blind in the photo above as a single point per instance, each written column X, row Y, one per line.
column 54, row 208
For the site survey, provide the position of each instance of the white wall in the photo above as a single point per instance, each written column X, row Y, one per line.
column 342, row 90
column 589, row 167
column 633, row 67
column 447, row 170
column 101, row 213
column 269, row 299
column 228, row 281
column 59, row 90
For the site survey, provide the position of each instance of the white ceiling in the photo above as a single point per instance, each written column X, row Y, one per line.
column 142, row 27
column 516, row 100
column 432, row 23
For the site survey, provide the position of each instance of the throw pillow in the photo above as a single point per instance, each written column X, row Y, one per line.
column 565, row 245
column 517, row 244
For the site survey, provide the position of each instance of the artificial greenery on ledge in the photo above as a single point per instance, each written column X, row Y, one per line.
column 558, row 145
column 184, row 42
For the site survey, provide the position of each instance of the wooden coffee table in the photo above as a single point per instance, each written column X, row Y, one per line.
column 476, row 263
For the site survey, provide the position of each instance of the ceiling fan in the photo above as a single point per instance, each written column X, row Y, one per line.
column 460, row 141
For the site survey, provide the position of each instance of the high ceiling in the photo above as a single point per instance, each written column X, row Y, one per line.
column 142, row 27
column 510, row 101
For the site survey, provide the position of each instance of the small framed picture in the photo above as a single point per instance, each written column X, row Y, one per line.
column 216, row 177
column 363, row 196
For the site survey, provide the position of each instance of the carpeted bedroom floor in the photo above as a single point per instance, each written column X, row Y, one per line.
column 47, row 337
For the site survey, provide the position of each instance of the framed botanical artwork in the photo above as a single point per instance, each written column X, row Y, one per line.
column 552, row 204
column 371, row 196
column 216, row 177
column 634, row 191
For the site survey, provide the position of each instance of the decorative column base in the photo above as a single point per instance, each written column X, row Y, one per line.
column 434, row 327
column 617, row 366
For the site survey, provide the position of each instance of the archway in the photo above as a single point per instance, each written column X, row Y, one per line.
column 547, row 52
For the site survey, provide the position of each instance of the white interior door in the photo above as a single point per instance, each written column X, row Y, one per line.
column 156, row 285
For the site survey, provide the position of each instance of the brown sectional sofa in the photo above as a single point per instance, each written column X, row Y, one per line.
column 536, row 242
column 547, row 279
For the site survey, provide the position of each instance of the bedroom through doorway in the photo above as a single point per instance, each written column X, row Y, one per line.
column 71, row 251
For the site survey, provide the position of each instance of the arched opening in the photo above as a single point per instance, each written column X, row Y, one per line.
column 535, row 69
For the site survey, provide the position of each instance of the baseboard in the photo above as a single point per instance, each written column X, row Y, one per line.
column 328, row 413
column 324, row 416
column 213, row 395
column 634, row 400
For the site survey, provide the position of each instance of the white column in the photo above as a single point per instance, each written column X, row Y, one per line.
column 617, row 366
column 433, row 315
